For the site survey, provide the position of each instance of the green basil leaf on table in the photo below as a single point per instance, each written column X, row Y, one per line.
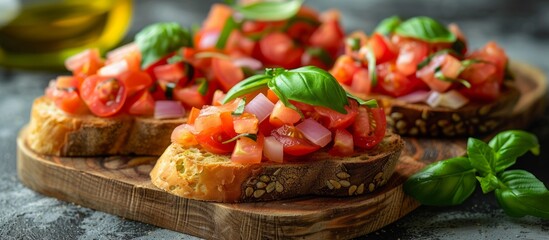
column 481, row 156
column 388, row 25
column 523, row 194
column 269, row 10
column 511, row 144
column 443, row 183
column 488, row 183
column 158, row 40
column 426, row 29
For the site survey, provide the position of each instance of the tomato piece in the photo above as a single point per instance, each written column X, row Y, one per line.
column 332, row 119
column 141, row 104
column 218, row 97
column 328, row 36
column 343, row 143
column 344, row 69
column 183, row 135
column 136, row 81
column 227, row 123
column 485, row 91
column 396, row 84
column 85, row 63
column 248, row 151
column 479, row 72
column 410, row 54
column 494, row 54
column 246, row 123
column 278, row 49
column 67, row 99
column 212, row 138
column 218, row 15
column 384, row 50
column 163, row 61
column 427, row 73
column 205, row 40
column 369, row 127
column 272, row 96
column 170, row 72
column 105, row 96
column 226, row 73
column 293, row 141
column 282, row 115
column 190, row 96
column 193, row 115
column 239, row 46
column 130, row 50
column 361, row 82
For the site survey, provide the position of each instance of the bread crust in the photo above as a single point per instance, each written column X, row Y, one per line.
column 196, row 174
column 53, row 132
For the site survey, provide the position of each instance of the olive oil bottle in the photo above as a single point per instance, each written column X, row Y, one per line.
column 44, row 33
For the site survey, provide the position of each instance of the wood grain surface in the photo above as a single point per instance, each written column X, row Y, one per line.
column 121, row 186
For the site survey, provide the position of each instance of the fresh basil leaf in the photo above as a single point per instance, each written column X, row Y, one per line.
column 511, row 144
column 310, row 85
column 481, row 156
column 388, row 25
column 321, row 54
column 248, row 135
column 523, row 194
column 372, row 71
column 270, row 10
column 426, row 29
column 488, row 183
column 228, row 28
column 372, row 103
column 158, row 40
column 443, row 183
column 203, row 86
column 246, row 86
column 240, row 108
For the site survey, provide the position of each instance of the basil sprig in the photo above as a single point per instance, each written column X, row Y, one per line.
column 158, row 40
column 372, row 70
column 450, row 182
column 426, row 29
column 309, row 84
column 269, row 10
column 388, row 25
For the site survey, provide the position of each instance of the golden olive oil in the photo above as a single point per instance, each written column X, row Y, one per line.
column 42, row 35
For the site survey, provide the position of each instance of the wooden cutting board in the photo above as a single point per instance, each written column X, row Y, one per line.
column 120, row 185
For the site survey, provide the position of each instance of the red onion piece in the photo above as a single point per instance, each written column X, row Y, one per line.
column 315, row 132
column 168, row 109
column 452, row 99
column 260, row 106
column 248, row 62
column 415, row 97
column 114, row 69
column 273, row 149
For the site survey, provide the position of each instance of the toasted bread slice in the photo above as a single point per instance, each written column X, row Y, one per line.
column 53, row 132
column 196, row 174
column 473, row 119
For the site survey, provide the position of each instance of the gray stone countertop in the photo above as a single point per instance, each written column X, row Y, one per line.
column 521, row 27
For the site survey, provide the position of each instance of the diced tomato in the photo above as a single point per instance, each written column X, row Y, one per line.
column 205, row 40
column 66, row 82
column 328, row 36
column 239, row 46
column 205, row 121
column 129, row 50
column 278, row 49
column 485, row 91
column 163, row 61
column 226, row 73
column 361, row 82
column 369, row 127
column 67, row 99
column 410, row 54
column 190, row 96
column 282, row 115
column 136, row 81
column 494, row 54
column 344, row 69
column 193, row 115
column 105, row 96
column 218, row 97
column 396, row 84
column 218, row 15
column 384, row 50
column 248, row 151
column 272, row 96
column 183, row 135
column 170, row 72
column 85, row 63
column 479, row 72
column 294, row 142
column 332, row 119
column 246, row 123
column 362, row 40
column 343, row 143
column 141, row 104
column 227, row 123
column 427, row 74
column 212, row 138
